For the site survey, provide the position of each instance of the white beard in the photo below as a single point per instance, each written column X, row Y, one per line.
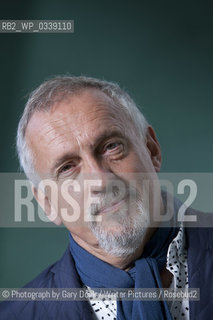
column 123, row 231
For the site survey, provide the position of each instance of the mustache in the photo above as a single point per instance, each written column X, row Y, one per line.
column 111, row 198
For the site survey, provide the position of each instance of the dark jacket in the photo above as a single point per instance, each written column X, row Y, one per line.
column 62, row 274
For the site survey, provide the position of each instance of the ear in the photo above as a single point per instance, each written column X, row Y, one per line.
column 153, row 147
column 46, row 205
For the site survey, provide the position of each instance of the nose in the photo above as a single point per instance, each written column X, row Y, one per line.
column 97, row 170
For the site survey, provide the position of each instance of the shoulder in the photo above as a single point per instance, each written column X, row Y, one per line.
column 199, row 233
column 57, row 275
column 199, row 244
column 61, row 274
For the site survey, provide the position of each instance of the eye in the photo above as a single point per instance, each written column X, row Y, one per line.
column 112, row 145
column 114, row 148
column 66, row 167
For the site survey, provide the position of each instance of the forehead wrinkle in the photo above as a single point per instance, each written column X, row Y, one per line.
column 59, row 138
column 97, row 111
column 60, row 122
column 102, row 102
column 90, row 135
column 86, row 138
column 99, row 105
column 51, row 136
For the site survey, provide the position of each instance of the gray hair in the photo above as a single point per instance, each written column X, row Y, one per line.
column 57, row 89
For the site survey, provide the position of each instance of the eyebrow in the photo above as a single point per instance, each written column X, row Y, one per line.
column 107, row 134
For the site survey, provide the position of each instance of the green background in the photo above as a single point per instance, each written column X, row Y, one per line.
column 161, row 52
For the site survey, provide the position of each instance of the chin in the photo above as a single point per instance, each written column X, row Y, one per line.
column 121, row 237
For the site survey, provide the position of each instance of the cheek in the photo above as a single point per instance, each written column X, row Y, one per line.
column 142, row 160
column 136, row 170
column 71, row 208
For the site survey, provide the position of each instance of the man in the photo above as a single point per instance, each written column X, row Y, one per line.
column 87, row 139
